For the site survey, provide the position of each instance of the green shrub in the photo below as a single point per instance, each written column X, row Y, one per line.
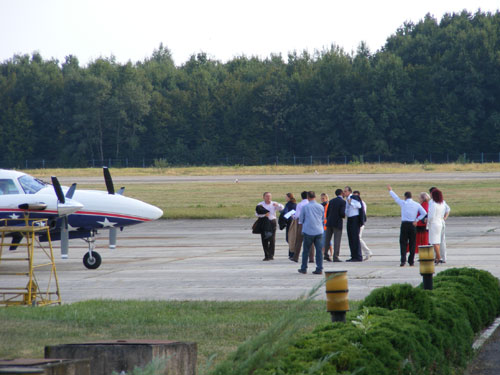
column 402, row 296
column 377, row 347
column 447, row 319
column 487, row 281
column 398, row 330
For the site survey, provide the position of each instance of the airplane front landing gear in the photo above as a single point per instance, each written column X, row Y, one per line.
column 92, row 259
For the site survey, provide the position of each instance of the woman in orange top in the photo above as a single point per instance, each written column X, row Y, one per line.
column 325, row 201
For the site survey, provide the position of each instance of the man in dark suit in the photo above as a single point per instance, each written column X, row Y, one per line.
column 334, row 223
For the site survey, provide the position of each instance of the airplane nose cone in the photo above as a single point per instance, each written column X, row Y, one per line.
column 155, row 213
column 151, row 212
column 69, row 207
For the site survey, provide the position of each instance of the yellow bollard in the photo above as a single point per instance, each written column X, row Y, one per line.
column 426, row 259
column 337, row 302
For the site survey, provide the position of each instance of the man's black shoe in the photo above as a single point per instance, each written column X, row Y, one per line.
column 318, row 272
column 353, row 260
column 402, row 265
column 337, row 260
column 327, row 258
column 302, row 271
column 265, row 259
column 293, row 260
column 311, row 261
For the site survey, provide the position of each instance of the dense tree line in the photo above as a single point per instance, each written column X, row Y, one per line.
column 434, row 86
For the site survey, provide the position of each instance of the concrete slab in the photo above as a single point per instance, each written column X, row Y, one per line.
column 222, row 260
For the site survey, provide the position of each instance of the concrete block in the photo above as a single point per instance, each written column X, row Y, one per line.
column 124, row 355
column 45, row 366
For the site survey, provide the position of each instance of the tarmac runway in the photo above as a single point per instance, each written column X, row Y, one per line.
column 222, row 260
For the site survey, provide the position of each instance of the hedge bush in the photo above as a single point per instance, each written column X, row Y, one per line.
column 399, row 330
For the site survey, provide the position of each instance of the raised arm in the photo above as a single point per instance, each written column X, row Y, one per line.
column 395, row 196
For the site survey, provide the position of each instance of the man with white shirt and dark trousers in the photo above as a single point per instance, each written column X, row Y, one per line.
column 272, row 207
column 408, row 233
column 311, row 217
column 334, row 216
column 352, row 208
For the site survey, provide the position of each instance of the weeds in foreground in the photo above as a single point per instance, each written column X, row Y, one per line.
column 260, row 350
column 156, row 367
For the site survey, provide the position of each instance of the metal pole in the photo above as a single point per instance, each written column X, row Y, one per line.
column 338, row 316
column 427, row 278
column 311, row 160
column 482, row 157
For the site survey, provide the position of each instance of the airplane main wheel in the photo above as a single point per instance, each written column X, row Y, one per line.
column 92, row 262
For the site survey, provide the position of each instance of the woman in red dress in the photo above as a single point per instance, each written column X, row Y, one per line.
column 422, row 232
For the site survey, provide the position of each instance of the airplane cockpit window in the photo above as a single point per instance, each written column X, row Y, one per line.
column 30, row 184
column 7, row 186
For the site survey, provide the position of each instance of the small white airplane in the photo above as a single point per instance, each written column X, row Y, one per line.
column 71, row 213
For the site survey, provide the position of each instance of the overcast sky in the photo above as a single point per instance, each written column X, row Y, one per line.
column 131, row 30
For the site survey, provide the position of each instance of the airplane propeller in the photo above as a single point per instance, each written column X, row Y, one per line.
column 111, row 190
column 64, row 216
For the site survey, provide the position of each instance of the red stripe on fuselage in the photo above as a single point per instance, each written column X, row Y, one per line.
column 111, row 215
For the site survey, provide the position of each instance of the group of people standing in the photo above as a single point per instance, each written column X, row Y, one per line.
column 310, row 227
column 422, row 223
column 315, row 229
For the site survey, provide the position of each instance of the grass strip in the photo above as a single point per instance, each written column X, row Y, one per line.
column 229, row 200
column 218, row 327
column 273, row 169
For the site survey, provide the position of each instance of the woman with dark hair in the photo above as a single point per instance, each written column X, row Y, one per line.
column 435, row 220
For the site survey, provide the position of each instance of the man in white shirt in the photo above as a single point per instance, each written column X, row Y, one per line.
column 352, row 208
column 442, row 247
column 364, row 247
column 272, row 207
column 297, row 223
column 408, row 233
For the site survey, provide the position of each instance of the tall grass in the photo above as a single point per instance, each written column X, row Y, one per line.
column 217, row 327
column 273, row 169
column 229, row 200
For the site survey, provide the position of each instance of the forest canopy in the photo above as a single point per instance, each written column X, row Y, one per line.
column 433, row 87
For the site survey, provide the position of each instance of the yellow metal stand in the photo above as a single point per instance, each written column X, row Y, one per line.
column 27, row 291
